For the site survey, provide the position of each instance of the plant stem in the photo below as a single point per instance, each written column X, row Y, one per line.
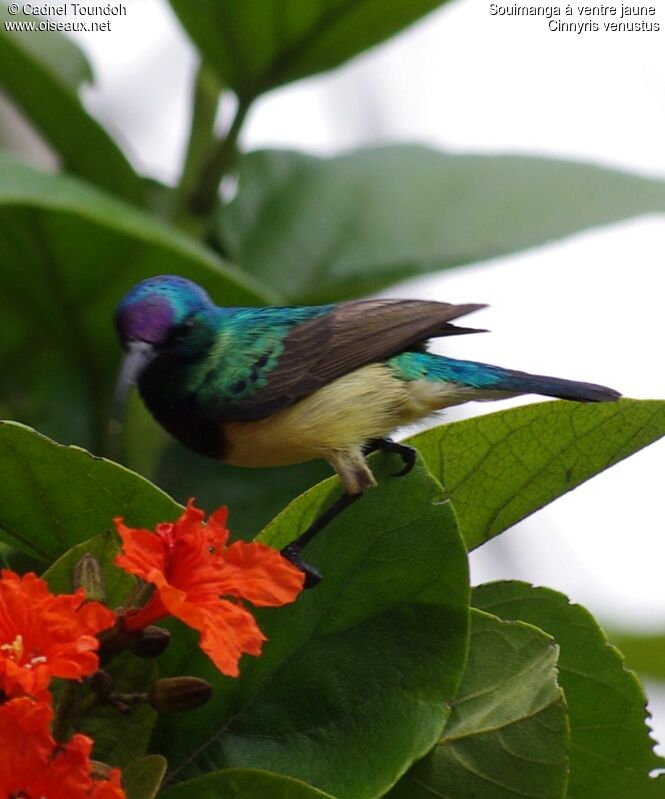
column 216, row 166
column 207, row 91
column 65, row 710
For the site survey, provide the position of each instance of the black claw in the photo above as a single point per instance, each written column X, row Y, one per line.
column 312, row 575
column 407, row 454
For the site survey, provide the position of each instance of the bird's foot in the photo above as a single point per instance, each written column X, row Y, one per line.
column 407, row 454
column 312, row 575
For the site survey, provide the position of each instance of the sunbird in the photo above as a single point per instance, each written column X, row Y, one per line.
column 274, row 386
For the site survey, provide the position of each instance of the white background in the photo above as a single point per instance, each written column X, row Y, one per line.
column 588, row 308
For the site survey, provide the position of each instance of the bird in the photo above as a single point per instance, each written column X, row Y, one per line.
column 278, row 385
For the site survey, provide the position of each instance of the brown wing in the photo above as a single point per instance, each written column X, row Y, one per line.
column 352, row 335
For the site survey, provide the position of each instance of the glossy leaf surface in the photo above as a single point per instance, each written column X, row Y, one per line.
column 62, row 496
column 371, row 654
column 499, row 468
column 507, row 736
column 611, row 751
column 238, row 783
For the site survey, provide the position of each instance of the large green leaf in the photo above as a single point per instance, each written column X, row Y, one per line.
column 55, row 497
column 358, row 670
column 259, row 45
column 325, row 228
column 57, row 53
column 507, row 736
column 142, row 777
column 611, row 751
column 644, row 652
column 238, row 783
column 41, row 72
column 67, row 255
column 501, row 467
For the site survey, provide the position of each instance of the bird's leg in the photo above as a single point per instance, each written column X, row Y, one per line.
column 407, row 454
column 357, row 478
column 293, row 551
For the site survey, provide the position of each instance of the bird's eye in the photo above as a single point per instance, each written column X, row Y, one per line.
column 180, row 332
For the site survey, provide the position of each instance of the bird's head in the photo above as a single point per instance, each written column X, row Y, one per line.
column 155, row 316
column 156, row 311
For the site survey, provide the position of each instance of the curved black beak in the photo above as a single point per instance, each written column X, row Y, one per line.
column 138, row 356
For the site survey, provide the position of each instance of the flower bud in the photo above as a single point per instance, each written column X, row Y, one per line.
column 101, row 683
column 151, row 643
column 88, row 575
column 172, row 694
column 99, row 770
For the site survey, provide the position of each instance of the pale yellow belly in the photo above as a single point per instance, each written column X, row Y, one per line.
column 368, row 403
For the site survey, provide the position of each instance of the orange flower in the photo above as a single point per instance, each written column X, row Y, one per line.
column 192, row 569
column 34, row 765
column 43, row 635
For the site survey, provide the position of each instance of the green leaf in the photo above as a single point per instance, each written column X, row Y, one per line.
column 18, row 561
column 501, row 467
column 141, row 778
column 54, row 497
column 266, row 43
column 322, row 229
column 41, row 72
column 68, row 253
column 365, row 663
column 508, row 733
column 121, row 737
column 611, row 751
column 243, row 784
column 644, row 652
column 57, row 53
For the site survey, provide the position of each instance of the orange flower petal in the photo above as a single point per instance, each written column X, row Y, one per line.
column 142, row 550
column 260, row 574
column 228, row 634
column 110, row 788
column 192, row 570
column 227, row 630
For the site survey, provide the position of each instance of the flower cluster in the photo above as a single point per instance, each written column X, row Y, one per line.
column 44, row 636
column 193, row 575
column 34, row 765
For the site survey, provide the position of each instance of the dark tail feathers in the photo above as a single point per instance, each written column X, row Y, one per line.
column 557, row 387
